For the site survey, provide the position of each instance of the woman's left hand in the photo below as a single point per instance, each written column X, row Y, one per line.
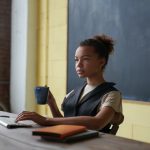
column 26, row 115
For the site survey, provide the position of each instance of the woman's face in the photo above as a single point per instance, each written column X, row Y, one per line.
column 87, row 62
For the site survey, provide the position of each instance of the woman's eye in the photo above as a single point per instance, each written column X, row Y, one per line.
column 86, row 59
column 75, row 59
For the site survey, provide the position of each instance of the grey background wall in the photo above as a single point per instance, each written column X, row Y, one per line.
column 128, row 22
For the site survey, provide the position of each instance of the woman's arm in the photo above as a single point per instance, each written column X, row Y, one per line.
column 91, row 122
column 97, row 122
column 53, row 106
column 118, row 118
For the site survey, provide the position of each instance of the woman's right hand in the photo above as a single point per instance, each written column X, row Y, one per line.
column 26, row 115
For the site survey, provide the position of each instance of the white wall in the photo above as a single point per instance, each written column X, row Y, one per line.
column 23, row 59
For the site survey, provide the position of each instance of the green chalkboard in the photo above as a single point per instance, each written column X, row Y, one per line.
column 128, row 22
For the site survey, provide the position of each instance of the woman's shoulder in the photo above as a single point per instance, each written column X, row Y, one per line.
column 112, row 99
column 113, row 94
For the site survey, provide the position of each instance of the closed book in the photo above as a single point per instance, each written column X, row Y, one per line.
column 59, row 131
column 74, row 138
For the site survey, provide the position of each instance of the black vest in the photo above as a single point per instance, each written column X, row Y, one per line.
column 90, row 103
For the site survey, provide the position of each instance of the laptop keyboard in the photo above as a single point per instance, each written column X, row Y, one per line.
column 9, row 122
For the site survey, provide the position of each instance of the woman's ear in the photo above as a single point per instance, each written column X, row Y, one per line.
column 102, row 62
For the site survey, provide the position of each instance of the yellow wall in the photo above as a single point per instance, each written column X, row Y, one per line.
column 52, row 68
column 137, row 121
column 57, row 58
column 52, row 48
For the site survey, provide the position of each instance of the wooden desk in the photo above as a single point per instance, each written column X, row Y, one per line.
column 22, row 139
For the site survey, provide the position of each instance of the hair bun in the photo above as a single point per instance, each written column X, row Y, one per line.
column 106, row 40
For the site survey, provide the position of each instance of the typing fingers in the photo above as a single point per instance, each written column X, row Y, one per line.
column 25, row 115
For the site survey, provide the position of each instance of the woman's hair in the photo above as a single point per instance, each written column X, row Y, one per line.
column 102, row 44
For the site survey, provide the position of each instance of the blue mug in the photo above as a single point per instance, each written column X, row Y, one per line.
column 41, row 94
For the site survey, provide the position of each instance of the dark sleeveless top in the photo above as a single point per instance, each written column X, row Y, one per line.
column 89, row 104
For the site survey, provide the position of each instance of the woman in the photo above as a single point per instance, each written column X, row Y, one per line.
column 97, row 103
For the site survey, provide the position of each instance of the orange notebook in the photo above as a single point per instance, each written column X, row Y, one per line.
column 59, row 131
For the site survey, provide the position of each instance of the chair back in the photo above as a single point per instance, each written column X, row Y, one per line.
column 113, row 129
column 115, row 125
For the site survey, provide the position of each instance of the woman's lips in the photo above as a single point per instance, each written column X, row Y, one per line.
column 80, row 71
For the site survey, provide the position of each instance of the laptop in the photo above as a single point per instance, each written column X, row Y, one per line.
column 9, row 122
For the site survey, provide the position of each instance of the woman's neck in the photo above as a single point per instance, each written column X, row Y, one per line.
column 95, row 81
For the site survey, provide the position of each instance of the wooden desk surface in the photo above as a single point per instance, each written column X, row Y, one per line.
column 22, row 139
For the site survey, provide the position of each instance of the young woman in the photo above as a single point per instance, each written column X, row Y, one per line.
column 97, row 104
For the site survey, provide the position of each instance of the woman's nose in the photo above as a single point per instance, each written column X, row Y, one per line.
column 79, row 63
